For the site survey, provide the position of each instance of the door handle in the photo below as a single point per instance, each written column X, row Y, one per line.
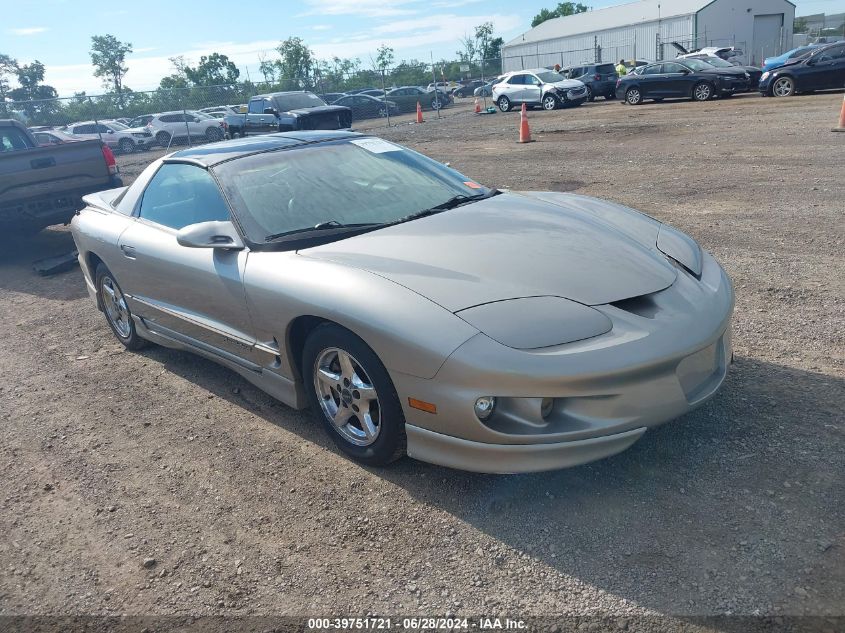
column 128, row 251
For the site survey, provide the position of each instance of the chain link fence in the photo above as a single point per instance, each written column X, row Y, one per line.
column 113, row 113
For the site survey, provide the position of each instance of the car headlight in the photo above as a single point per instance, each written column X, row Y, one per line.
column 765, row 75
column 552, row 321
column 680, row 247
column 747, row 76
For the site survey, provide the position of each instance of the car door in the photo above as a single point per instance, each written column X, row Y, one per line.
column 825, row 69
column 533, row 90
column 514, row 88
column 254, row 118
column 195, row 295
column 107, row 134
column 651, row 81
column 675, row 80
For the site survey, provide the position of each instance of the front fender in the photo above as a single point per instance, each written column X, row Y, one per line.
column 409, row 333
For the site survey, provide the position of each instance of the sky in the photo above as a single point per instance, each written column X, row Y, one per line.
column 58, row 32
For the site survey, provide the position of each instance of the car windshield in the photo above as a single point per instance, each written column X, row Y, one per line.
column 549, row 77
column 697, row 64
column 801, row 52
column 364, row 181
column 297, row 101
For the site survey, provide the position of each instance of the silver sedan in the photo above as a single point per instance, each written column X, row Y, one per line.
column 414, row 310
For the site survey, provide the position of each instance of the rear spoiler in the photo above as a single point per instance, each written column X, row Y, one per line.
column 103, row 199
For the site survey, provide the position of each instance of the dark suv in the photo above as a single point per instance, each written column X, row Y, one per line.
column 600, row 79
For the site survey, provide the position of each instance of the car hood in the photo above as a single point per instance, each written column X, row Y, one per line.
column 566, row 84
column 511, row 246
column 316, row 110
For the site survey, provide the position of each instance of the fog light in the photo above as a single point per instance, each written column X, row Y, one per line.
column 484, row 407
column 546, row 407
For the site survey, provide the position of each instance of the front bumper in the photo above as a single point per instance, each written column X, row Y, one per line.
column 662, row 358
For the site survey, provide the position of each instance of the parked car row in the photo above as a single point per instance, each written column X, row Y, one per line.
column 368, row 103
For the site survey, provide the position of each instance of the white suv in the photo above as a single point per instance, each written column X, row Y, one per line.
column 538, row 87
column 179, row 124
column 114, row 134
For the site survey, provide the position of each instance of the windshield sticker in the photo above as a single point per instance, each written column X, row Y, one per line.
column 375, row 145
column 473, row 185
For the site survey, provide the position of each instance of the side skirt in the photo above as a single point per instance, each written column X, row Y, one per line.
column 279, row 387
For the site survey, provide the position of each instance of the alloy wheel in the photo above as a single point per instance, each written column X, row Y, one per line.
column 633, row 96
column 347, row 396
column 703, row 92
column 549, row 102
column 783, row 87
column 114, row 304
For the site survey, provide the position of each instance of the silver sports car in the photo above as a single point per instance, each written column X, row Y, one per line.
column 416, row 311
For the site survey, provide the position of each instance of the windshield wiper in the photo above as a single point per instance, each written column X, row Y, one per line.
column 451, row 203
column 320, row 226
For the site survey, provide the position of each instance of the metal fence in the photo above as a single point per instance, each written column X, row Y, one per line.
column 129, row 105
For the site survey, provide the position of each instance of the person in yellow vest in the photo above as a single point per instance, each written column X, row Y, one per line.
column 621, row 69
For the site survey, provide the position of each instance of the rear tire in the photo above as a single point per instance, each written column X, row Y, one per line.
column 504, row 104
column 111, row 301
column 633, row 96
column 213, row 134
column 332, row 392
column 163, row 139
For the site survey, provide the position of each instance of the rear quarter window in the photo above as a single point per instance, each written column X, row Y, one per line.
column 605, row 68
column 12, row 139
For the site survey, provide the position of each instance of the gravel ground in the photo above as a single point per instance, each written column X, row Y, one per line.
column 158, row 483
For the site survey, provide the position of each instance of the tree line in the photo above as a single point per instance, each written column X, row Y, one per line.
column 216, row 80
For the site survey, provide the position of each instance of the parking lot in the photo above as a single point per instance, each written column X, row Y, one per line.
column 242, row 506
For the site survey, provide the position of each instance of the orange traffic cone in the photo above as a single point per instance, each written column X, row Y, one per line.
column 524, row 130
column 477, row 106
column 841, row 127
column 419, row 113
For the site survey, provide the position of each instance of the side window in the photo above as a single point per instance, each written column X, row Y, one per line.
column 531, row 80
column 832, row 53
column 673, row 68
column 256, row 106
column 517, row 80
column 102, row 129
column 654, row 69
column 179, row 195
column 169, row 118
column 12, row 139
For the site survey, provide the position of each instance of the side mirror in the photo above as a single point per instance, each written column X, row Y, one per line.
column 685, row 71
column 210, row 235
column 109, row 130
column 270, row 111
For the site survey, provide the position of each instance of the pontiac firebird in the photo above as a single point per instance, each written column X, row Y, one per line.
column 416, row 311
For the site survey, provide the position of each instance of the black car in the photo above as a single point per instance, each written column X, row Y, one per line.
column 331, row 97
column 467, row 89
column 600, row 79
column 681, row 79
column 823, row 69
column 367, row 107
column 754, row 72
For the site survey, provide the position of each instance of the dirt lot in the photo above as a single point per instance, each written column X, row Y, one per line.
column 110, row 458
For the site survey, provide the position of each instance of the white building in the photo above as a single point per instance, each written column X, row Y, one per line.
column 647, row 28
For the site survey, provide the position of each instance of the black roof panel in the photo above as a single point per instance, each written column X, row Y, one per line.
column 215, row 153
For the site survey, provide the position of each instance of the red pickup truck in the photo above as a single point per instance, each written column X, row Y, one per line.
column 40, row 186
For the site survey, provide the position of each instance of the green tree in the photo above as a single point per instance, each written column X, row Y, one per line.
column 38, row 98
column 295, row 64
column 8, row 67
column 562, row 10
column 108, row 55
column 213, row 70
column 384, row 58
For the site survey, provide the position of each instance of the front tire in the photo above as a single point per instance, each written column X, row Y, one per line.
column 213, row 134
column 126, row 146
column 783, row 87
column 352, row 394
column 113, row 304
column 702, row 91
column 504, row 104
column 163, row 139
column 550, row 102
column 590, row 96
